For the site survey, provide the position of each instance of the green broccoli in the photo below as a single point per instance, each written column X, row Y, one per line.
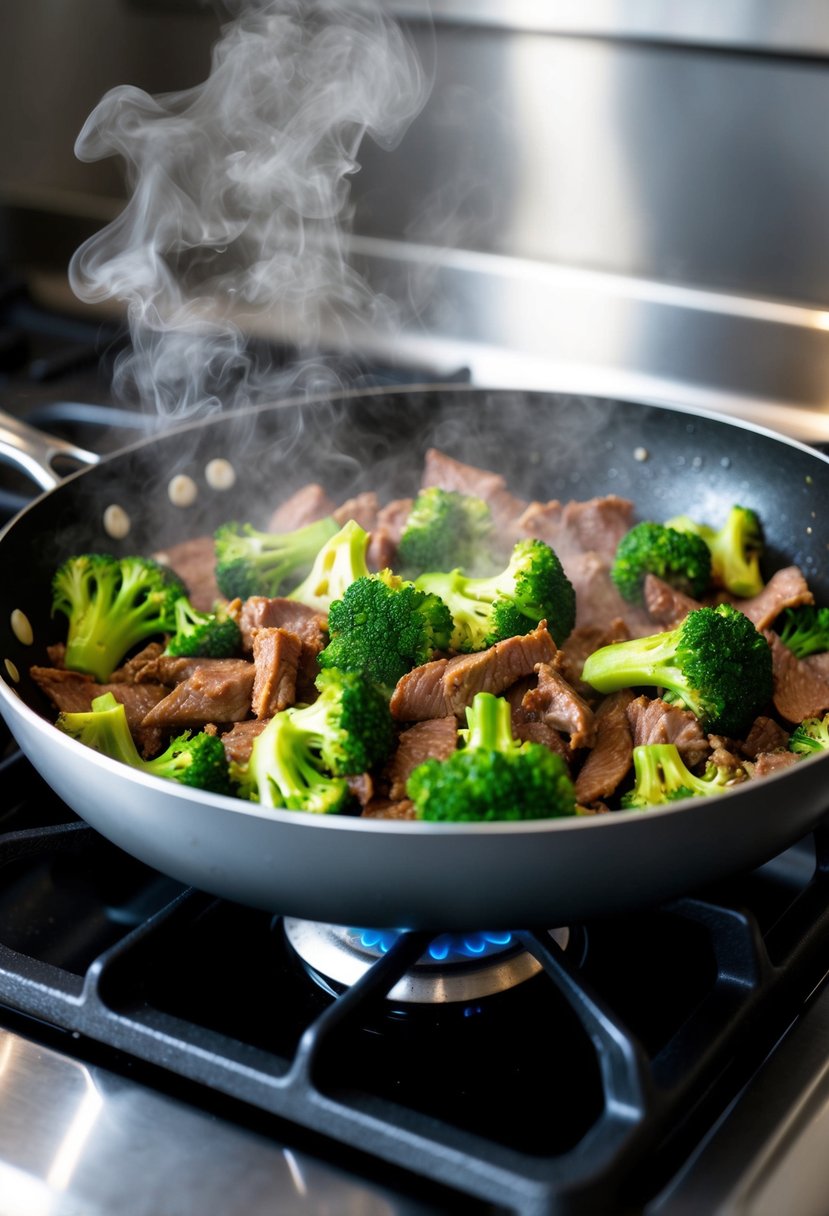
column 715, row 662
column 212, row 635
column 804, row 629
column 735, row 549
column 383, row 627
column 661, row 775
column 444, row 529
column 196, row 760
column 340, row 561
column 302, row 757
column 681, row 559
column 111, row 604
column 812, row 735
column 492, row 776
column 531, row 588
column 250, row 562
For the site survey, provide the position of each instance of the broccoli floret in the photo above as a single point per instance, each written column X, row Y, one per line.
column 250, row 562
column 492, row 776
column 812, row 735
column 383, row 627
column 661, row 775
column 805, row 629
column 531, row 588
column 284, row 771
column 340, row 561
column 681, row 559
column 212, row 635
column 349, row 725
column 111, row 604
column 444, row 529
column 197, row 760
column 715, row 662
column 735, row 549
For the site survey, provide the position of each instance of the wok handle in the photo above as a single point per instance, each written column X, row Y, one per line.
column 33, row 451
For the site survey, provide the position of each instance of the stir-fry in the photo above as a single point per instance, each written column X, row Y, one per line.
column 462, row 655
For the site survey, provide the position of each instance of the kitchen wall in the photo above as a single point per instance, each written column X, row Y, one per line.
column 616, row 194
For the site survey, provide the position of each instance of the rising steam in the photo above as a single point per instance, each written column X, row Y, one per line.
column 239, row 196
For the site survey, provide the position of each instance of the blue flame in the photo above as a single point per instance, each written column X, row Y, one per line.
column 449, row 947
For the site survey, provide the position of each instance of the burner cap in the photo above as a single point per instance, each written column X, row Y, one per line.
column 456, row 967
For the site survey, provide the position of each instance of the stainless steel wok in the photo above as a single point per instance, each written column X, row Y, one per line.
column 388, row 873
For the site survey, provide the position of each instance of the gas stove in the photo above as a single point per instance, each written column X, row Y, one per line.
column 176, row 1052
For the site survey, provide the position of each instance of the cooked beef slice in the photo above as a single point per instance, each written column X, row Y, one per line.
column 130, row 672
column 570, row 657
column 385, row 535
column 194, row 562
column 447, row 686
column 385, row 808
column 765, row 735
column 306, row 505
column 392, row 517
column 449, row 474
column 261, row 612
column 800, row 690
column 528, row 731
column 609, row 762
column 597, row 599
column 653, row 720
column 595, row 525
column 435, row 738
column 664, row 605
column 557, row 704
column 361, row 786
column 771, row 762
column 238, row 741
column 276, row 655
column 362, row 509
column 72, row 692
column 786, row 588
column 218, row 690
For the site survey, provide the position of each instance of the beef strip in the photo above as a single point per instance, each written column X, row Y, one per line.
column 171, row 670
column 435, row 738
column 653, row 720
column 385, row 808
column 771, row 762
column 218, row 690
column 72, row 692
column 361, row 786
column 130, row 672
column 528, row 731
column 276, row 655
column 664, row 604
column 597, row 599
column 557, row 704
column 595, row 525
column 385, row 535
column 260, row 612
column 194, row 562
column 765, row 735
column 449, row 474
column 800, row 690
column 238, row 741
column 570, row 657
column 305, row 506
column 609, row 762
column 362, row 509
column 447, row 686
column 786, row 588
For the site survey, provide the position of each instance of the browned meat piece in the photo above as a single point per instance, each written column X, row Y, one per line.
column 385, row 808
column 436, row 738
column 362, row 509
column 276, row 655
column 260, row 612
column 449, row 474
column 609, row 762
column 584, row 639
column 303, row 507
column 361, row 786
column 447, row 686
column 557, row 704
column 772, row 762
column 765, row 735
column 71, row 692
column 653, row 720
column 786, row 588
column 219, row 690
column 597, row 599
column 171, row 670
column 593, row 526
column 194, row 562
column 129, row 672
column 385, row 535
column 238, row 741
column 665, row 605
column 392, row 517
column 538, row 732
column 818, row 664
column 800, row 690
column 57, row 654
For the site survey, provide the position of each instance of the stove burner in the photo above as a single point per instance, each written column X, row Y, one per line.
column 455, row 967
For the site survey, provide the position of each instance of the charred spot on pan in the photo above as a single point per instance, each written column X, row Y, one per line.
column 116, row 522
column 220, row 474
column 182, row 490
column 22, row 627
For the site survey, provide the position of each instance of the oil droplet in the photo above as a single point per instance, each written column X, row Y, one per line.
column 220, row 474
column 22, row 627
column 182, row 490
column 641, row 454
column 14, row 674
column 117, row 523
column 725, row 462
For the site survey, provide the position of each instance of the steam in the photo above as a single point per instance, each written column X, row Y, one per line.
column 239, row 204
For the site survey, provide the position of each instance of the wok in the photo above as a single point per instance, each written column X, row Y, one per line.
column 390, row 873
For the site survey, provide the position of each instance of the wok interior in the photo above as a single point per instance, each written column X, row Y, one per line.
column 547, row 446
